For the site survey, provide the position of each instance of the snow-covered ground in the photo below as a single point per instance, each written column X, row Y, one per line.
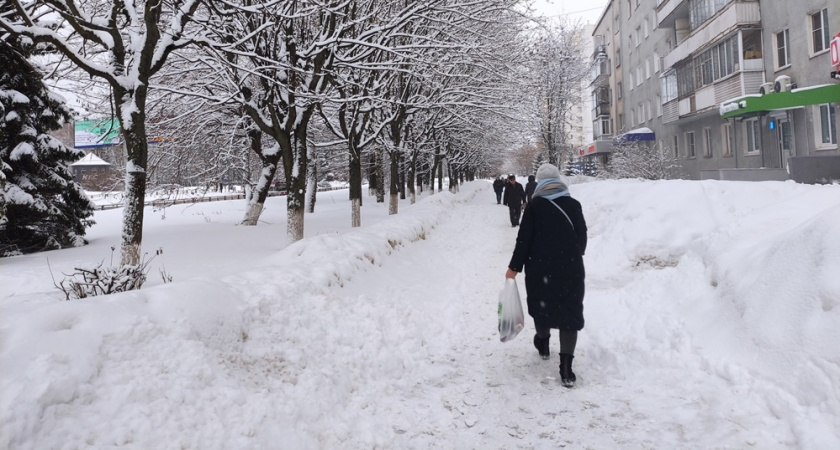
column 712, row 309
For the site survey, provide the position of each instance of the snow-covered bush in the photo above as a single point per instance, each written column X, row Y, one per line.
column 642, row 159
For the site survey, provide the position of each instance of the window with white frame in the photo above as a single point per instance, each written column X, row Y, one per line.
column 606, row 126
column 828, row 124
column 658, row 106
column 782, row 49
column 632, row 116
column 689, row 144
column 647, row 69
column 638, row 36
column 727, row 139
column 647, row 28
column 707, row 142
column 648, row 110
column 619, row 89
column 639, row 77
column 820, row 36
column 752, row 129
column 676, row 146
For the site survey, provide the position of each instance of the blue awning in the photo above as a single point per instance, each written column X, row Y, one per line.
column 639, row 134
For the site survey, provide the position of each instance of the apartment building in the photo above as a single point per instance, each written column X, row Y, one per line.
column 732, row 90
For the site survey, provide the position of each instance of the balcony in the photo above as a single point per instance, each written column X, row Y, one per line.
column 602, row 109
column 737, row 14
column 600, row 72
column 668, row 10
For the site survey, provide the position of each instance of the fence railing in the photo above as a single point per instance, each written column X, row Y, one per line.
column 164, row 202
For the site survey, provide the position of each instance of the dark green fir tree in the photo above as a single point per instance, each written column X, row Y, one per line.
column 41, row 206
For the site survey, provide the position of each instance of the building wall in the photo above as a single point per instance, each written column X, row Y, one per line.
column 721, row 145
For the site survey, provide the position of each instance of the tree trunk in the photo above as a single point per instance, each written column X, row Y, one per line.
column 440, row 176
column 393, row 204
column 296, row 198
column 311, row 182
column 412, row 169
column 136, row 158
column 380, row 174
column 355, row 186
column 402, row 169
column 257, row 196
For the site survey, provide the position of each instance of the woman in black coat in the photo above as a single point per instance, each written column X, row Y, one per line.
column 550, row 247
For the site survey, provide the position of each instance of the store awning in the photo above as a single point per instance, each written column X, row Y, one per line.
column 595, row 148
column 639, row 134
column 752, row 105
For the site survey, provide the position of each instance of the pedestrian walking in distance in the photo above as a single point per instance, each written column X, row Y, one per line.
column 514, row 198
column 498, row 187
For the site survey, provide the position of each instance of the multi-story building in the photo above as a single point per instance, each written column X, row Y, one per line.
column 790, row 122
column 703, row 76
column 606, row 85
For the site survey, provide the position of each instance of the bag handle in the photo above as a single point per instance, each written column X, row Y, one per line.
column 564, row 213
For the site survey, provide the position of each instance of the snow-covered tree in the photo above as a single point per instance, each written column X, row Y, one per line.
column 553, row 79
column 124, row 44
column 41, row 206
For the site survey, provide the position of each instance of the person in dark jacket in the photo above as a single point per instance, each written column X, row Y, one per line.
column 529, row 188
column 550, row 247
column 498, row 187
column 514, row 197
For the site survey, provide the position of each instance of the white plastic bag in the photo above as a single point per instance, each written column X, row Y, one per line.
column 511, row 317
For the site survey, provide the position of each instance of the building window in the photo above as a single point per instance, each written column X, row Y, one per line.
column 648, row 110
column 727, row 139
column 647, row 28
column 828, row 124
column 639, row 77
column 676, row 146
column 689, row 144
column 753, row 131
column 619, row 90
column 638, row 36
column 707, row 142
column 605, row 126
column 819, row 31
column 632, row 116
column 669, row 87
column 782, row 49
column 658, row 106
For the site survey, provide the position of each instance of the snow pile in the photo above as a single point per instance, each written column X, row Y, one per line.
column 712, row 317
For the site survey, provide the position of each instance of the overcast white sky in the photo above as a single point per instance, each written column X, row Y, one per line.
column 586, row 10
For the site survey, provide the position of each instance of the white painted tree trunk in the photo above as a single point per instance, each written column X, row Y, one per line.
column 356, row 214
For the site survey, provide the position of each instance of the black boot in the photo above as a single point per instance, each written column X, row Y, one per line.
column 566, row 375
column 542, row 346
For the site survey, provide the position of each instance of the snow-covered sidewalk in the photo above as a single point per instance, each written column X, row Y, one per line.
column 713, row 312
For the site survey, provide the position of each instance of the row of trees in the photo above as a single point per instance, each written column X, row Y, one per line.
column 257, row 87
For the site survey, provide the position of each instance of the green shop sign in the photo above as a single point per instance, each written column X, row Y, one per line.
column 753, row 105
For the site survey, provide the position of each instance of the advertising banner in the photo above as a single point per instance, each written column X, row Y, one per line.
column 97, row 133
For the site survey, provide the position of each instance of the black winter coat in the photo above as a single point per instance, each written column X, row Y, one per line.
column 529, row 190
column 514, row 195
column 551, row 252
column 498, row 185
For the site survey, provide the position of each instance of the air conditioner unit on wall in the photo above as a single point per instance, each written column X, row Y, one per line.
column 782, row 84
column 766, row 88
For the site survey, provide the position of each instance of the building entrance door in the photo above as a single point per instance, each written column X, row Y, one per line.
column 784, row 134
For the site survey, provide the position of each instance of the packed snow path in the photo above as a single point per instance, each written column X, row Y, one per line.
column 711, row 308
